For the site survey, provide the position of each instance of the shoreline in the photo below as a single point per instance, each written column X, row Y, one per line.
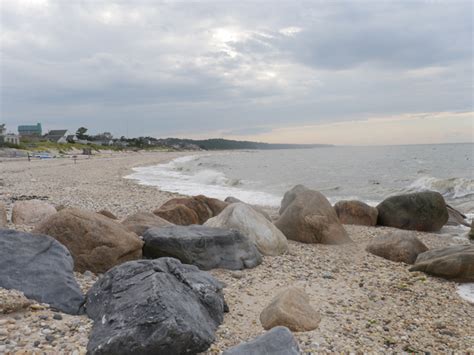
column 366, row 303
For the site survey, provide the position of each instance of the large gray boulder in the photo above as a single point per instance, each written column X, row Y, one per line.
column 240, row 216
column 455, row 262
column 206, row 247
column 154, row 307
column 307, row 216
column 422, row 211
column 139, row 222
column 277, row 341
column 399, row 246
column 41, row 268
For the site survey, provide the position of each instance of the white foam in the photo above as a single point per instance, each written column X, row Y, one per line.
column 451, row 188
column 176, row 176
column 466, row 291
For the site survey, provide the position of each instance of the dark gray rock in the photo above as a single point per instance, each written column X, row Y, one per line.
column 422, row 211
column 154, row 307
column 206, row 247
column 41, row 268
column 277, row 341
column 455, row 262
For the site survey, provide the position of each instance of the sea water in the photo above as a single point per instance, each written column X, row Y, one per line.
column 369, row 174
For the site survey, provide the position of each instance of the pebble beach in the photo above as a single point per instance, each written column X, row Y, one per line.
column 366, row 303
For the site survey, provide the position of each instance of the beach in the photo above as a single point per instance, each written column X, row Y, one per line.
column 367, row 303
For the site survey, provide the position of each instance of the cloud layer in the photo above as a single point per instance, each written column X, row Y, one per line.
column 163, row 69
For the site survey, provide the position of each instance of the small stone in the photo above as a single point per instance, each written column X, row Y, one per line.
column 36, row 343
column 57, row 316
column 49, row 338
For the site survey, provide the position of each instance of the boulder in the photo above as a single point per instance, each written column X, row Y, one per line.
column 96, row 242
column 399, row 246
column 455, row 262
column 291, row 309
column 240, row 216
column 308, row 217
column 356, row 212
column 206, row 247
column 422, row 211
column 139, row 222
column 3, row 215
column 31, row 212
column 41, row 268
column 277, row 341
column 260, row 210
column 154, row 307
column 202, row 206
column 108, row 214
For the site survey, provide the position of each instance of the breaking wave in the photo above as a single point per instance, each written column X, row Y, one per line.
column 185, row 176
column 452, row 188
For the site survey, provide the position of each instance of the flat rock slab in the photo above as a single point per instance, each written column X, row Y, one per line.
column 41, row 268
column 154, row 307
column 399, row 246
column 206, row 247
column 277, row 341
column 456, row 262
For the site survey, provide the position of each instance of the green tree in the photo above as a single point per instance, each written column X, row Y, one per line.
column 81, row 133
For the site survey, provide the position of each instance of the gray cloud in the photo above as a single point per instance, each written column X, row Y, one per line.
column 189, row 68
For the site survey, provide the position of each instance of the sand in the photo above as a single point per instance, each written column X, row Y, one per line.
column 366, row 303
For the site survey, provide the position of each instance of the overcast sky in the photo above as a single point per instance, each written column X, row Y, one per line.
column 365, row 72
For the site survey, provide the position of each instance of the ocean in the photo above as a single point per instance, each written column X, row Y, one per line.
column 369, row 174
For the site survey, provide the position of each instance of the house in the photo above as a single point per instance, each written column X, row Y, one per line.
column 57, row 136
column 30, row 130
column 8, row 137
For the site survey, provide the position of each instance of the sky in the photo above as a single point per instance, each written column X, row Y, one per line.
column 338, row 72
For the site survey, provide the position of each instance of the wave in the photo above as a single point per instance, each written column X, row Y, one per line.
column 186, row 176
column 452, row 188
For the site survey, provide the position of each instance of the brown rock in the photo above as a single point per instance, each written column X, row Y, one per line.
column 291, row 309
column 198, row 209
column 31, row 212
column 96, row 242
column 139, row 222
column 308, row 217
column 3, row 215
column 108, row 214
column 455, row 262
column 356, row 212
column 400, row 246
